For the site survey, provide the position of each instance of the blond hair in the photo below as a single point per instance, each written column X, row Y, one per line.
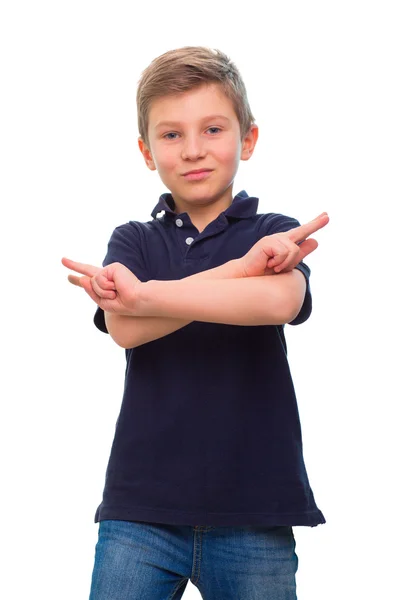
column 184, row 69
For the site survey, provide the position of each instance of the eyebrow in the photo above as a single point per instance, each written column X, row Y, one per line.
column 175, row 123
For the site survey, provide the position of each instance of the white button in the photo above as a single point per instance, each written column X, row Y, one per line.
column 179, row 222
column 189, row 241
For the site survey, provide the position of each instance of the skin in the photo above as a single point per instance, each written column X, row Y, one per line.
column 116, row 289
column 195, row 143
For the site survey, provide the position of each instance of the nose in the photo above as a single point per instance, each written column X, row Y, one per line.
column 193, row 148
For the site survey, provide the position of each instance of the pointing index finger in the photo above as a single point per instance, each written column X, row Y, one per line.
column 301, row 233
column 83, row 268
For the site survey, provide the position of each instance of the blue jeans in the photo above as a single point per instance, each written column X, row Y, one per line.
column 151, row 561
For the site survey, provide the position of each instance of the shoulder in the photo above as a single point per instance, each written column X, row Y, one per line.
column 270, row 223
column 135, row 229
column 136, row 226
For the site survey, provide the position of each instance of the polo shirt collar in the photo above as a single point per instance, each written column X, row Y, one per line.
column 242, row 206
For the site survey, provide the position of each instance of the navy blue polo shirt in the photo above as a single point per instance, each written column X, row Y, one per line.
column 209, row 430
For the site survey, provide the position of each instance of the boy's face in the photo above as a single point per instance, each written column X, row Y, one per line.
column 185, row 135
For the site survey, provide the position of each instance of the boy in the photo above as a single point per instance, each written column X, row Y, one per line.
column 208, row 439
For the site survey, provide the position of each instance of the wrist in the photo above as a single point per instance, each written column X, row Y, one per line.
column 236, row 269
column 144, row 293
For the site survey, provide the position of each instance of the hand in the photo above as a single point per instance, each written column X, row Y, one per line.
column 114, row 288
column 280, row 252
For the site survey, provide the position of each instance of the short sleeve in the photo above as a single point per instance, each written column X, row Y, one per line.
column 126, row 247
column 276, row 223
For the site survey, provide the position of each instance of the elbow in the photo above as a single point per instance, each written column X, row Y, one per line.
column 292, row 314
column 121, row 344
column 115, row 327
column 280, row 315
column 285, row 315
column 117, row 339
column 283, row 311
column 292, row 309
column 123, row 341
column 125, row 344
column 290, row 297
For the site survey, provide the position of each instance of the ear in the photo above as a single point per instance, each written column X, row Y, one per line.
column 146, row 154
column 249, row 142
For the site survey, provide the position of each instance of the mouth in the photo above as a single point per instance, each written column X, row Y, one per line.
column 197, row 174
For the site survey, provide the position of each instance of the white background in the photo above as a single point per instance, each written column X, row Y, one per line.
column 323, row 83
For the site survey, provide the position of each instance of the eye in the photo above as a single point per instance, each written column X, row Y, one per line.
column 218, row 128
column 173, row 133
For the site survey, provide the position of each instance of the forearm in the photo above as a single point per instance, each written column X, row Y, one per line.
column 130, row 331
column 240, row 301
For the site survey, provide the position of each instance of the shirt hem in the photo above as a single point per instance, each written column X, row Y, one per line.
column 310, row 518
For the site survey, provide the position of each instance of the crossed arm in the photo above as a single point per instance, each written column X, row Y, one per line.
column 219, row 295
column 261, row 288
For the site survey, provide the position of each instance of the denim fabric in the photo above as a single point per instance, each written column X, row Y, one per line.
column 150, row 561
